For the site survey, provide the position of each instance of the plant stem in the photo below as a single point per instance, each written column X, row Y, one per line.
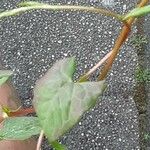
column 120, row 40
column 1, row 119
column 38, row 147
column 60, row 7
column 92, row 70
column 21, row 112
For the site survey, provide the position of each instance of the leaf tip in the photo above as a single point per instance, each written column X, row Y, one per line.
column 4, row 76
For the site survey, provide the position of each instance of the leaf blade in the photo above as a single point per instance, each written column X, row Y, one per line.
column 60, row 103
column 19, row 128
column 138, row 12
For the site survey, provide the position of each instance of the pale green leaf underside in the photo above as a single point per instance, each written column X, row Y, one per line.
column 137, row 12
column 59, row 102
column 4, row 75
column 19, row 128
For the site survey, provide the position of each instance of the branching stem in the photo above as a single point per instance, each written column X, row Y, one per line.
column 120, row 40
column 110, row 57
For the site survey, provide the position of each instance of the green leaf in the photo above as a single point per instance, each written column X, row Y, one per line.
column 4, row 75
column 59, row 102
column 58, row 146
column 19, row 128
column 138, row 12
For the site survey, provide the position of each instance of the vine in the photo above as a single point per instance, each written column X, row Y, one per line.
column 58, row 101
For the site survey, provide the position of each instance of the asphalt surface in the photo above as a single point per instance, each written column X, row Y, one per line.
column 32, row 42
column 147, row 66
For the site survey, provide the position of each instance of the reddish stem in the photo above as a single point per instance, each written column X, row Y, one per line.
column 22, row 112
column 1, row 119
column 119, row 42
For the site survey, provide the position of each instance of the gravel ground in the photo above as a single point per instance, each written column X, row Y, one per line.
column 32, row 42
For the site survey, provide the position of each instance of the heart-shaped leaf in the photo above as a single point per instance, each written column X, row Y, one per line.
column 4, row 75
column 59, row 102
column 19, row 128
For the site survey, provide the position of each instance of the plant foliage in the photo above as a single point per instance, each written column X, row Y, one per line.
column 19, row 128
column 138, row 12
column 59, row 102
column 4, row 75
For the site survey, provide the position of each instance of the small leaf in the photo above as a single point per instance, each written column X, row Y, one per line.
column 19, row 128
column 58, row 146
column 138, row 12
column 4, row 75
column 59, row 102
